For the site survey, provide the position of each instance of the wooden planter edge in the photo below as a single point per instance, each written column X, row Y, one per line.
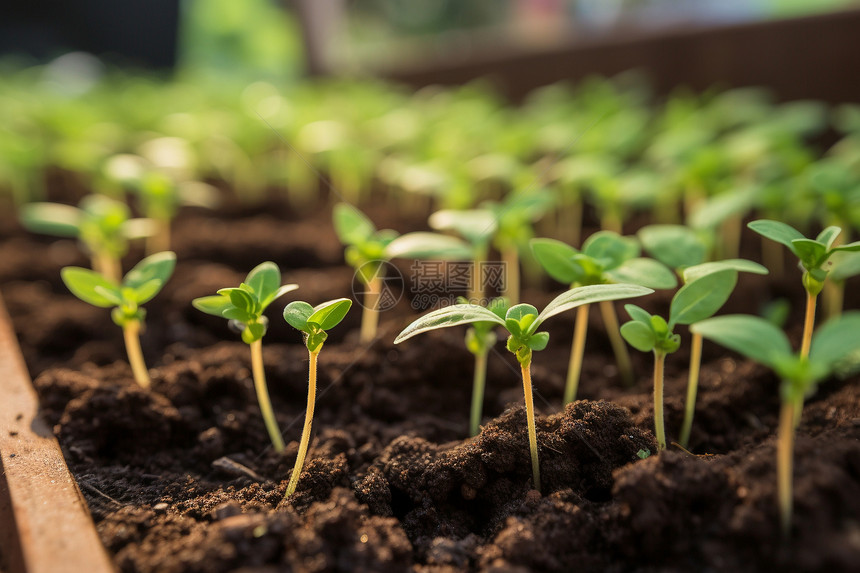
column 45, row 525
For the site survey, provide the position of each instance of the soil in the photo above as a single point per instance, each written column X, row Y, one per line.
column 181, row 478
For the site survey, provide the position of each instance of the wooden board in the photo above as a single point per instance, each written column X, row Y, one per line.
column 45, row 526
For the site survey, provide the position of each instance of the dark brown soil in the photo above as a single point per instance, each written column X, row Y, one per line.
column 182, row 478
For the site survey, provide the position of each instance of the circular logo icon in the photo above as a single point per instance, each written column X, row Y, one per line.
column 377, row 285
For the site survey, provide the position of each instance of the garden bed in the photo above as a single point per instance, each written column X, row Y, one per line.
column 182, row 479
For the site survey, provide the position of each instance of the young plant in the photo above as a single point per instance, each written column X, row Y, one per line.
column 606, row 257
column 243, row 306
column 480, row 338
column 477, row 227
column 835, row 347
column 693, row 302
column 676, row 246
column 368, row 249
column 138, row 287
column 522, row 322
column 814, row 257
column 312, row 322
column 103, row 225
column 689, row 275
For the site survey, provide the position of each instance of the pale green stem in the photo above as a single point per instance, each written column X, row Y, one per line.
column 476, row 293
column 622, row 356
column 731, row 236
column 805, row 345
column 692, row 388
column 577, row 349
column 370, row 310
column 160, row 241
column 530, row 419
column 785, row 464
column 611, row 221
column 659, row 427
column 108, row 266
column 570, row 221
column 309, row 418
column 131, row 334
column 478, row 382
column 263, row 396
column 834, row 298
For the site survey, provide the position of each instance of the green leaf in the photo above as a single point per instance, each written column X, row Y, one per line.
column 538, row 341
column 850, row 247
column 427, row 246
column 351, row 226
column 638, row 314
column 448, row 316
column 556, row 258
column 828, row 235
column 845, row 265
column 214, row 305
column 264, row 279
column 676, row 246
column 519, row 317
column 51, row 219
column 158, row 266
column 239, row 298
column 751, row 336
column 475, row 225
column 811, row 253
column 696, row 272
column 836, row 341
column 645, row 272
column 639, row 335
column 84, row 284
column 610, row 246
column 297, row 314
column 233, row 313
column 701, row 298
column 586, row 295
column 720, row 207
column 146, row 292
column 253, row 331
column 279, row 292
column 776, row 231
column 329, row 314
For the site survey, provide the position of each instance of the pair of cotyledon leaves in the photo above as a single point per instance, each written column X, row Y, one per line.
column 138, row 286
column 246, row 303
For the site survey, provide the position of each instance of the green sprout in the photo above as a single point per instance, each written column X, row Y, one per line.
column 693, row 302
column 138, row 287
column 480, row 338
column 689, row 275
column 103, row 225
column 814, row 258
column 606, row 257
column 522, row 322
column 243, row 306
column 368, row 249
column 313, row 322
column 835, row 348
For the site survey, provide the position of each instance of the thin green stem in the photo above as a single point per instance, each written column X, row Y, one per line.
column 692, row 388
column 309, row 418
column 834, row 298
column 478, row 383
column 370, row 310
column 785, row 464
column 530, row 419
column 576, row 352
column 808, row 325
column 108, row 266
column 131, row 334
column 659, row 426
column 619, row 348
column 263, row 396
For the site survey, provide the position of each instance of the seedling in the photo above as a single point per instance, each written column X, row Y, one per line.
column 835, row 347
column 138, row 287
column 312, row 322
column 814, row 258
column 477, row 226
column 689, row 275
column 367, row 249
column 103, row 225
column 606, row 257
column 676, row 246
column 693, row 302
column 243, row 306
column 480, row 338
column 522, row 322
